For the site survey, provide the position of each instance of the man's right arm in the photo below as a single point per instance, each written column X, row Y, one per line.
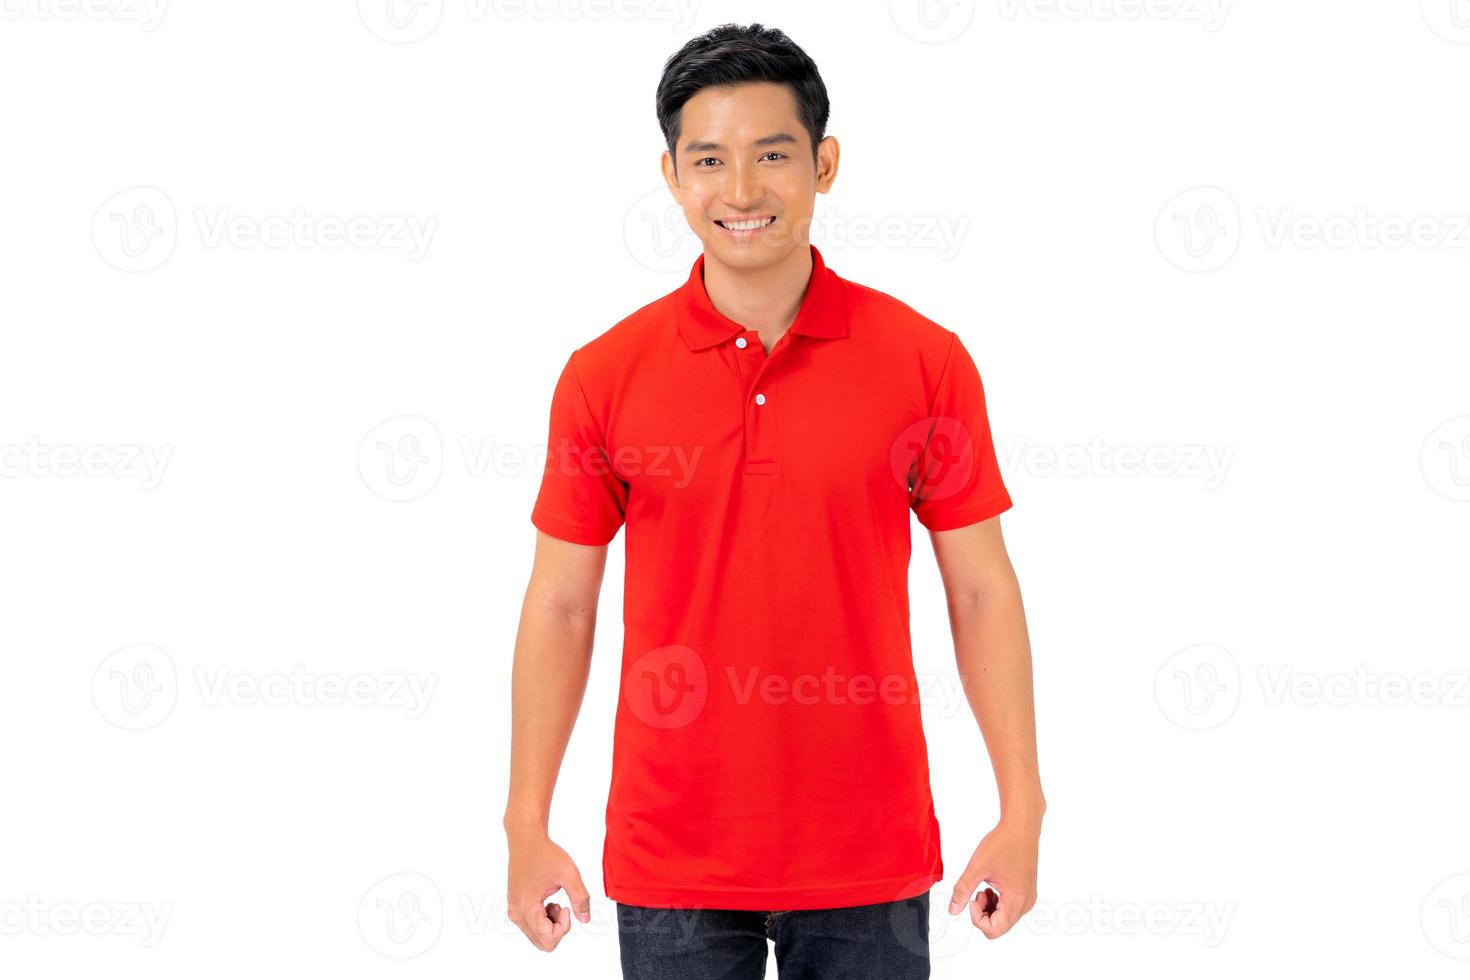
column 553, row 655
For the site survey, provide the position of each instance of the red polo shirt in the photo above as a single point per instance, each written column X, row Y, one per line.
column 768, row 752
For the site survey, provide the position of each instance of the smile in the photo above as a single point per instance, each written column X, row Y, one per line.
column 746, row 228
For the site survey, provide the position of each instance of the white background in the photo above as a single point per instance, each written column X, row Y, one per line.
column 1172, row 232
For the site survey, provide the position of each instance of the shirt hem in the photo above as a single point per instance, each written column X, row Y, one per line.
column 973, row 514
column 781, row 899
column 572, row 532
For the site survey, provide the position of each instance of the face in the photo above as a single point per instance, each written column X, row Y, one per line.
column 745, row 178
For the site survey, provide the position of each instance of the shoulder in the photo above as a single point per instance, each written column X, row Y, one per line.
column 601, row 363
column 629, row 334
column 896, row 327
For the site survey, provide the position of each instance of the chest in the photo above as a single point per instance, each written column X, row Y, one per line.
column 810, row 415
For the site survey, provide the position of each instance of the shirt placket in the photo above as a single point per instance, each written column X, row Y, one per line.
column 758, row 400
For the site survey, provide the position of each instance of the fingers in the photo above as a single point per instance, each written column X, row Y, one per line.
column 578, row 895
column 960, row 897
column 560, row 918
column 991, row 901
column 544, row 922
column 544, row 925
column 1003, row 912
column 965, row 887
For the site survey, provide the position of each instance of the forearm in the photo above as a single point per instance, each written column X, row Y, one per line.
column 993, row 653
column 553, row 655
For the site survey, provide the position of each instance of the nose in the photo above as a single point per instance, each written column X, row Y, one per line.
column 743, row 188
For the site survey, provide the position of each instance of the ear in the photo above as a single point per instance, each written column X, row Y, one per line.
column 671, row 177
column 828, row 152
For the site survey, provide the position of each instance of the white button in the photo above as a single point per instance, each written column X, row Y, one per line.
column 740, row 342
column 760, row 399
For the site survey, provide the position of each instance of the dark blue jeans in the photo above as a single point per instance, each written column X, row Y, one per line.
column 887, row 941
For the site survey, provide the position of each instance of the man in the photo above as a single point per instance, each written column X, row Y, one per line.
column 763, row 433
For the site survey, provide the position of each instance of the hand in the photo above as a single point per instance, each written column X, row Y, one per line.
column 1006, row 858
column 538, row 868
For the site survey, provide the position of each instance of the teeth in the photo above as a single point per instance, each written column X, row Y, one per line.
column 746, row 225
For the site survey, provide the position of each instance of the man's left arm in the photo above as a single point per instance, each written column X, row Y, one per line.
column 993, row 653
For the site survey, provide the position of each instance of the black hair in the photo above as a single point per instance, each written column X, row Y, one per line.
column 732, row 54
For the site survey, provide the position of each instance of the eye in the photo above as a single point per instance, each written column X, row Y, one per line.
column 700, row 162
column 776, row 153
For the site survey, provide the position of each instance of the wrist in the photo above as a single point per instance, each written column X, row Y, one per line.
column 1027, row 810
column 518, row 822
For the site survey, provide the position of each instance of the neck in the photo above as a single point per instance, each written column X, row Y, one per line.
column 765, row 299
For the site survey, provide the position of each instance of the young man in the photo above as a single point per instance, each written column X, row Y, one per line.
column 764, row 433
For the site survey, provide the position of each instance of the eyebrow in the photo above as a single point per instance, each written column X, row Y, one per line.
column 773, row 140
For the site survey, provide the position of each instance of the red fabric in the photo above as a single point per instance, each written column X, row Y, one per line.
column 768, row 751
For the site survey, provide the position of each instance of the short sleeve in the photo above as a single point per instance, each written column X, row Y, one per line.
column 581, row 498
column 955, row 479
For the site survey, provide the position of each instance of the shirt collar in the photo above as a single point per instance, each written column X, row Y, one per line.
column 823, row 311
